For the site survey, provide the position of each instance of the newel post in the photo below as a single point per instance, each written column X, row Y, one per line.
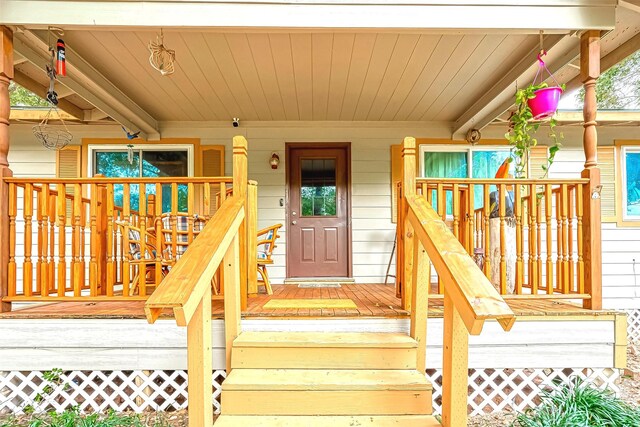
column 589, row 73
column 252, row 237
column 240, row 184
column 6, row 74
column 408, row 190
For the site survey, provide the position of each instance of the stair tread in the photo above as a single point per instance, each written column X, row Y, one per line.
column 325, row 379
column 324, row 339
column 323, row 421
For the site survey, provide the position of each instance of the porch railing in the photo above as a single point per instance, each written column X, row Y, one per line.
column 469, row 298
column 527, row 235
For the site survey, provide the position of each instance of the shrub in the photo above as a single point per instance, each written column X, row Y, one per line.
column 579, row 404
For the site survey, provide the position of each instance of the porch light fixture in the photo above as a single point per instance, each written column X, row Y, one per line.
column 274, row 161
column 595, row 193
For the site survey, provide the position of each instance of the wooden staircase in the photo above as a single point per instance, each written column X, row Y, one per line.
column 325, row 379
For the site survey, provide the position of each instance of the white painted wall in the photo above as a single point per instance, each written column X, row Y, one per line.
column 373, row 232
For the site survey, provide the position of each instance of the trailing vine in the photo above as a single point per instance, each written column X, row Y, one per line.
column 522, row 131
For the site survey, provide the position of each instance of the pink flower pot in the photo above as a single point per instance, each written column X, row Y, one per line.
column 545, row 104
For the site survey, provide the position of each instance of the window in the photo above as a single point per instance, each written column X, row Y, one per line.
column 456, row 162
column 631, row 183
column 148, row 161
column 318, row 189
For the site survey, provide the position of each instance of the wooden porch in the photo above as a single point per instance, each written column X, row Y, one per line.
column 371, row 300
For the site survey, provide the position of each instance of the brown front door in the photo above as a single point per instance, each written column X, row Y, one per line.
column 318, row 230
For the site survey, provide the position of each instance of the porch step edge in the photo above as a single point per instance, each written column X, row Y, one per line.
column 327, row 420
column 325, row 339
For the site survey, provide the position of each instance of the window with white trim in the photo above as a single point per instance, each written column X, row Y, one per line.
column 143, row 161
column 631, row 183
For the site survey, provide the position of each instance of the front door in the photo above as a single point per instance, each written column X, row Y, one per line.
column 318, row 202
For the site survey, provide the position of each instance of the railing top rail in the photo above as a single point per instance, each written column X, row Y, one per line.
column 474, row 296
column 186, row 283
column 508, row 181
column 101, row 180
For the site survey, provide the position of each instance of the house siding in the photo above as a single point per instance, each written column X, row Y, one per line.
column 372, row 230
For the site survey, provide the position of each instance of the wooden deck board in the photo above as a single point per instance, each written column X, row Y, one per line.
column 372, row 300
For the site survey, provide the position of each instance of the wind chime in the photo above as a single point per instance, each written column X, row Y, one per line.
column 161, row 58
column 54, row 137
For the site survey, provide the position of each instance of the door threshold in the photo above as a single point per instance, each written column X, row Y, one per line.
column 319, row 280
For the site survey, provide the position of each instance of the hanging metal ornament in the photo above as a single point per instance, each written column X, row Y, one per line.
column 52, row 137
column 130, row 153
column 161, row 58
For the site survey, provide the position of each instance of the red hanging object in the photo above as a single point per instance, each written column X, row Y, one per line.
column 61, row 65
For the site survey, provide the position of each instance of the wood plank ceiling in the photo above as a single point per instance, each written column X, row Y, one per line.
column 304, row 76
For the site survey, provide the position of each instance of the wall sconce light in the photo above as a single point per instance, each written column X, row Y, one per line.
column 274, row 161
column 595, row 193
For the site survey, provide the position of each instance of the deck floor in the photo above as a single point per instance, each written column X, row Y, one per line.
column 371, row 300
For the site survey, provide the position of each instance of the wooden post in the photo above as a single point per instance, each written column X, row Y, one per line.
column 455, row 367
column 240, row 183
column 589, row 73
column 252, row 236
column 199, row 364
column 6, row 74
column 420, row 303
column 409, row 190
column 232, row 311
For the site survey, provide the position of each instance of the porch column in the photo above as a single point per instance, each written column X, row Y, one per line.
column 6, row 74
column 589, row 73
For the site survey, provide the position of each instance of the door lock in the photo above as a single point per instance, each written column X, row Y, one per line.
column 294, row 222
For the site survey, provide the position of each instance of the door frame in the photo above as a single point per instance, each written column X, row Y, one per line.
column 346, row 146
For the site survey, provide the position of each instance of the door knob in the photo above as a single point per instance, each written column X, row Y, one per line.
column 294, row 222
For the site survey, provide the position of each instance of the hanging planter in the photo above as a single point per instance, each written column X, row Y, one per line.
column 544, row 102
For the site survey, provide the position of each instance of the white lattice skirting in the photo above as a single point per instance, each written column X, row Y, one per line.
column 633, row 328
column 490, row 389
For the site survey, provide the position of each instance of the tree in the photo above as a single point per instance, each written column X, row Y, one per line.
column 21, row 97
column 618, row 88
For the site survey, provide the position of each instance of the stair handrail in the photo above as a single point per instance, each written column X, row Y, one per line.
column 469, row 298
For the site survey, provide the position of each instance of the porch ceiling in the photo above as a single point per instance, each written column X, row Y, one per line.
column 463, row 78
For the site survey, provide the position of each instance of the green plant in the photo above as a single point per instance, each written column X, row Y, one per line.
column 579, row 404
column 521, row 135
column 73, row 418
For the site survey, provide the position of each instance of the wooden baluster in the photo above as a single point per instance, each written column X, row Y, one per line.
column 420, row 302
column 560, row 250
column 190, row 212
column 83, row 246
column 579, row 231
column 52, row 206
column 570, row 245
column 442, row 213
column 103, row 236
column 76, row 241
column 174, row 220
column 111, row 241
column 252, row 235
column 39, row 244
column 548, row 229
column 13, row 212
column 62, row 241
column 206, row 200
column 487, row 230
column 222, row 196
column 456, row 212
column 455, row 367
column 534, row 277
column 471, row 211
column 423, row 189
column 408, row 190
column 539, row 238
column 27, row 215
column 126, row 248
column 517, row 202
column 159, row 236
column 94, row 244
column 429, row 194
column 142, row 215
column 502, row 211
column 566, row 237
column 43, row 208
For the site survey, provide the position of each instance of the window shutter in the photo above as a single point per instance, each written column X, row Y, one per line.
column 607, row 165
column 212, row 158
column 396, row 176
column 538, row 158
column 68, row 165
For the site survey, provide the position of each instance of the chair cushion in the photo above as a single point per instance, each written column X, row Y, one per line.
column 262, row 255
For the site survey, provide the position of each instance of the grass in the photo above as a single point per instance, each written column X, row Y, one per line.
column 72, row 418
column 578, row 404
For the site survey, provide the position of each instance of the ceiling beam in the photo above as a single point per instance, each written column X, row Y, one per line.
column 39, row 115
column 38, row 89
column 627, row 48
column 493, row 15
column 480, row 112
column 83, row 79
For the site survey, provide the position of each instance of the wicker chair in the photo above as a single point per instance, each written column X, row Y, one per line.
column 266, row 244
